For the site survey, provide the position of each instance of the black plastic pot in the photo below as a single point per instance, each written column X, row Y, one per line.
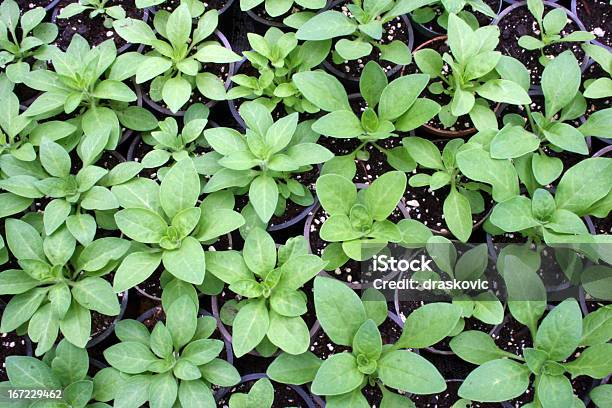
column 165, row 111
column 310, row 219
column 51, row 5
column 570, row 15
column 253, row 377
column 228, row 347
column 429, row 33
column 227, row 335
column 120, row 50
column 339, row 74
column 102, row 336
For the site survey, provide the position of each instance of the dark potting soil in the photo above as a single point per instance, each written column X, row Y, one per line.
column 395, row 29
column 602, row 225
column 323, row 347
column 341, row 147
column 92, row 29
column 593, row 305
column 407, row 307
column 482, row 19
column 260, row 11
column 10, row 345
column 138, row 153
column 594, row 71
column 520, row 22
column 596, row 15
column 350, row 272
column 152, row 285
column 447, row 398
column 284, row 395
column 99, row 322
column 31, row 4
column 171, row 5
column 463, row 122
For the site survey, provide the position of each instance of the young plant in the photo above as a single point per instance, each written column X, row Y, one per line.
column 391, row 107
column 82, row 86
column 502, row 376
column 269, row 282
column 473, row 74
column 561, row 81
column 361, row 30
column 550, row 27
column 358, row 225
column 19, row 134
column 557, row 219
column 261, row 394
column 62, row 374
column 95, row 8
column 440, row 10
column 170, row 146
column 465, row 196
column 23, row 39
column 600, row 87
column 470, row 266
column 165, row 219
column 174, row 365
column 264, row 160
column 278, row 8
column 59, row 284
column 175, row 65
column 277, row 57
column 350, row 321
column 72, row 195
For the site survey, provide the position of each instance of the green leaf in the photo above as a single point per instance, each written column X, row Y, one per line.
column 96, row 294
column 134, row 31
column 546, row 169
column 409, row 372
column 560, row 82
column 182, row 321
column 176, row 92
column 336, row 194
column 290, row 334
column 512, row 142
column 514, row 215
column 396, row 51
column 163, row 390
column 180, row 188
column 129, row 357
column 54, row 159
column 561, row 330
column 424, row 152
column 476, row 347
column 323, row 26
column 294, row 369
column 339, row 310
column 555, row 391
column 134, row 269
column 458, row 215
column 567, row 138
column 504, row 91
column 76, row 325
column 23, row 240
column 429, row 324
column 322, row 89
column 337, row 375
column 29, row 372
column 593, row 362
column 574, row 194
column 250, row 327
column 263, row 195
column 340, row 124
column 383, row 195
column 188, row 262
column 496, row 381
column 141, row 225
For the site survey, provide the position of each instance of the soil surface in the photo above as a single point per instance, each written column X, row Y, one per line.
column 10, row 345
column 482, row 19
column 395, row 29
column 284, row 395
column 93, row 29
column 520, row 22
column 596, row 15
